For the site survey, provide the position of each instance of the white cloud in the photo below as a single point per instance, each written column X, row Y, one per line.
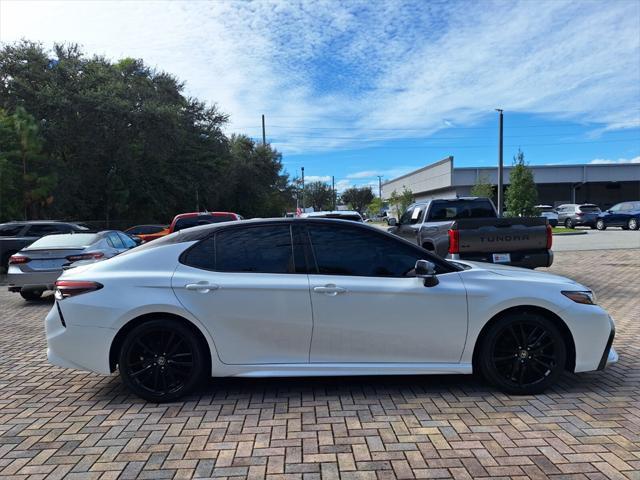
column 619, row 160
column 356, row 65
column 317, row 178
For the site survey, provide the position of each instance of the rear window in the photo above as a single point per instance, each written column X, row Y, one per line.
column 189, row 222
column 10, row 230
column 589, row 209
column 546, row 209
column 75, row 240
column 144, row 229
column 458, row 209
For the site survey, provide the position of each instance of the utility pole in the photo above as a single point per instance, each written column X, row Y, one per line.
column 500, row 164
column 333, row 191
column 380, row 186
column 264, row 135
column 302, row 189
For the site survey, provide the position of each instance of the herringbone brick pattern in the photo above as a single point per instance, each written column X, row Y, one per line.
column 57, row 423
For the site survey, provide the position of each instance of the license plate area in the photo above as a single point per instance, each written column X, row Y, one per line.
column 501, row 257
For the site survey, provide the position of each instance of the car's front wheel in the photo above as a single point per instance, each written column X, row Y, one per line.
column 161, row 360
column 522, row 353
column 633, row 224
column 600, row 225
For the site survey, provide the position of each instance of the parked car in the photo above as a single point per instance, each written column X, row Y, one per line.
column 35, row 268
column 146, row 233
column 469, row 229
column 548, row 212
column 625, row 215
column 572, row 215
column 17, row 235
column 340, row 214
column 313, row 297
column 188, row 220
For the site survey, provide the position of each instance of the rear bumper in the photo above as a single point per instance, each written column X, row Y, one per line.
column 32, row 280
column 79, row 347
column 526, row 259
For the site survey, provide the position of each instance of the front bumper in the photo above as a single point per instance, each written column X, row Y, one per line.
column 79, row 347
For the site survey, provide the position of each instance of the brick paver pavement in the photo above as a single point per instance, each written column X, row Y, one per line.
column 57, row 423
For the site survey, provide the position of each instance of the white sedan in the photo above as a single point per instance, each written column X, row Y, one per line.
column 310, row 297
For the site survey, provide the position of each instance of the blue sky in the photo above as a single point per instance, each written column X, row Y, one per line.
column 357, row 89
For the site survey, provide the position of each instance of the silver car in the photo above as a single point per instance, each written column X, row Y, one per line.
column 35, row 268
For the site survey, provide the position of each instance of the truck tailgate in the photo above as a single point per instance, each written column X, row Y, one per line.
column 502, row 235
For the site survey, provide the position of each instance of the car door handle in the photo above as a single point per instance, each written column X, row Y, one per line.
column 329, row 290
column 202, row 287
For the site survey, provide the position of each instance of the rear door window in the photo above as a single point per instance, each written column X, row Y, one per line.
column 261, row 249
column 40, row 230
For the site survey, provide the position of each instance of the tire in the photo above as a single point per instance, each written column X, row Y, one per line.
column 31, row 295
column 633, row 224
column 507, row 360
column 152, row 374
column 600, row 225
column 568, row 223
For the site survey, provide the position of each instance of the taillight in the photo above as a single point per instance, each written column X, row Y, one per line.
column 454, row 241
column 85, row 256
column 18, row 259
column 70, row 288
column 549, row 236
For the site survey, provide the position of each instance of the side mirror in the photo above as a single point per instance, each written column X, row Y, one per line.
column 392, row 222
column 427, row 271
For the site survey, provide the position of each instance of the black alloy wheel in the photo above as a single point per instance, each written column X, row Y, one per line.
column 523, row 354
column 31, row 295
column 600, row 225
column 161, row 360
column 568, row 223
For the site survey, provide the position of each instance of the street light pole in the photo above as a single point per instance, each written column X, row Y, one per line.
column 380, row 186
column 500, row 164
column 302, row 189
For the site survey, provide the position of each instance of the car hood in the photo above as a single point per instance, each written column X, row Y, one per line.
column 526, row 275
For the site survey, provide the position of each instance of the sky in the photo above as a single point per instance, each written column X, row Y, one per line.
column 356, row 89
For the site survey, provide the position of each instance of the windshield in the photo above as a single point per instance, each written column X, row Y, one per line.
column 201, row 220
column 458, row 209
column 74, row 240
column 589, row 209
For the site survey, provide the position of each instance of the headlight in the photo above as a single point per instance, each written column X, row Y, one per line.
column 588, row 298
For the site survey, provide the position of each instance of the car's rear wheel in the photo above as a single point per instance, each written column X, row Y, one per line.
column 568, row 223
column 31, row 295
column 600, row 225
column 161, row 360
column 633, row 224
column 522, row 353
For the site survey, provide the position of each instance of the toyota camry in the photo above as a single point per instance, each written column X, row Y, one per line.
column 311, row 297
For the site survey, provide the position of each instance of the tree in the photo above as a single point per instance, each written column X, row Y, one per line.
column 482, row 188
column 125, row 143
column 318, row 195
column 400, row 202
column 375, row 207
column 521, row 195
column 357, row 198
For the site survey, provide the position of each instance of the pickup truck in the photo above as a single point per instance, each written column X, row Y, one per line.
column 469, row 229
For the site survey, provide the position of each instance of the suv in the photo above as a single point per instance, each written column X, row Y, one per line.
column 14, row 236
column 625, row 215
column 572, row 215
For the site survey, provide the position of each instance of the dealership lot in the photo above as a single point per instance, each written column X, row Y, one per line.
column 57, row 423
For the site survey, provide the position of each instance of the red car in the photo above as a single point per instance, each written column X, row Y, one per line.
column 188, row 220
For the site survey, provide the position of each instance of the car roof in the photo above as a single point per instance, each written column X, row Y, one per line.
column 199, row 214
